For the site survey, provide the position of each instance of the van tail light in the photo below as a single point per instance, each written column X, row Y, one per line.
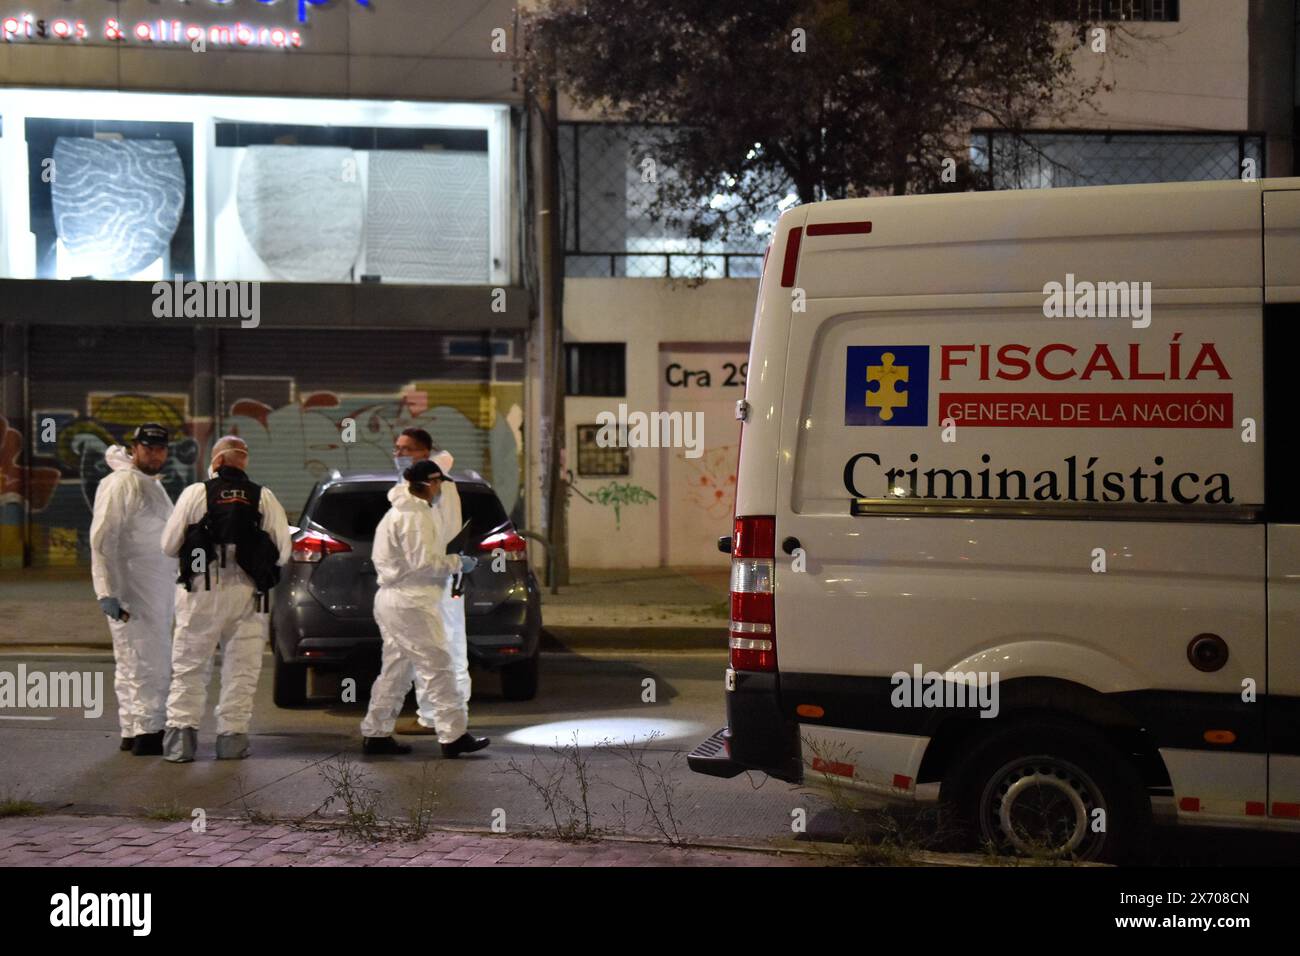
column 310, row 547
column 753, row 611
column 509, row 541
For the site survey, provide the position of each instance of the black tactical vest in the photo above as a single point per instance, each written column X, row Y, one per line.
column 233, row 518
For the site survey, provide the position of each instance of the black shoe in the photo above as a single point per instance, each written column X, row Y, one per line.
column 127, row 743
column 466, row 743
column 383, row 745
column 148, row 745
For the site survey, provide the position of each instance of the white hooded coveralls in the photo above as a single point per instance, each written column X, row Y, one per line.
column 409, row 555
column 131, row 509
column 221, row 617
column 448, row 511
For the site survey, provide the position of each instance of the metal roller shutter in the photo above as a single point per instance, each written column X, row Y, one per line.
column 88, row 389
column 289, row 393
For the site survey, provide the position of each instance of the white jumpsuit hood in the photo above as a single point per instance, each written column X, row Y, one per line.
column 130, row 512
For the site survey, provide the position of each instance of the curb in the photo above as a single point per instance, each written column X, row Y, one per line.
column 594, row 638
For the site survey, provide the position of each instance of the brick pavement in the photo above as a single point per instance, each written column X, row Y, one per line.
column 61, row 840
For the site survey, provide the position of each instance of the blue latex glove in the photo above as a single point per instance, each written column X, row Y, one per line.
column 112, row 607
column 467, row 564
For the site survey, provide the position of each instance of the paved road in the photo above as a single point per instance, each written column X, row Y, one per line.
column 72, row 761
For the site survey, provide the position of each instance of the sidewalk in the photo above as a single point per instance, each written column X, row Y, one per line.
column 114, row 841
column 659, row 608
column 647, row 608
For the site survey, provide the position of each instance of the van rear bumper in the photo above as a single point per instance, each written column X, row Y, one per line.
column 757, row 735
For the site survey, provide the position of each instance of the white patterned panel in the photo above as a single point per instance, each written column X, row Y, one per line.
column 301, row 209
column 117, row 203
column 427, row 216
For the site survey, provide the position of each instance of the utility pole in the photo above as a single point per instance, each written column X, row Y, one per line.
column 544, row 148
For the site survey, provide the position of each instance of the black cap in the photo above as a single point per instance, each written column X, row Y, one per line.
column 151, row 433
column 422, row 471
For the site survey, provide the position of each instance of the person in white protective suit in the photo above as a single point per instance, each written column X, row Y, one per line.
column 226, row 599
column 412, row 445
column 414, row 569
column 135, row 584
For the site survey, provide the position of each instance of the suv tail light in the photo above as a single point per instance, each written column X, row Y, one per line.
column 753, row 611
column 311, row 546
column 514, row 546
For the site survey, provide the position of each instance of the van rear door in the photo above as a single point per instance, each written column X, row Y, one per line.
column 1281, row 346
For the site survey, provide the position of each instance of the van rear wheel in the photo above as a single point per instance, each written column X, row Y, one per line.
column 1052, row 790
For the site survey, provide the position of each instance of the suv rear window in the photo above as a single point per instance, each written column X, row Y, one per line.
column 482, row 509
column 354, row 511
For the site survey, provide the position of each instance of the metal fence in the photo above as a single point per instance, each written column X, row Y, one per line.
column 1055, row 159
column 607, row 188
column 609, row 175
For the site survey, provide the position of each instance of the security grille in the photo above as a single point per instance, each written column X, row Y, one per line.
column 610, row 174
column 1042, row 160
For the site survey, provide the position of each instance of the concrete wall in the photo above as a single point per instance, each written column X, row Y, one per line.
column 686, row 515
column 1189, row 75
column 407, row 49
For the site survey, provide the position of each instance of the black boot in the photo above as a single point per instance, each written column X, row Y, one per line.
column 127, row 743
column 148, row 745
column 383, row 745
column 466, row 743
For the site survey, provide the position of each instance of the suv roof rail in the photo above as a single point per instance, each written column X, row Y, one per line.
column 335, row 474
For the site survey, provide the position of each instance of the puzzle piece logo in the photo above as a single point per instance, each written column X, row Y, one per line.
column 887, row 385
column 888, row 396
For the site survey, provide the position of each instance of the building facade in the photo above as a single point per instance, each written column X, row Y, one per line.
column 1207, row 92
column 341, row 176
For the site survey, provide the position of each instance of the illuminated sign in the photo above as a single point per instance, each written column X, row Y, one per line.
column 27, row 26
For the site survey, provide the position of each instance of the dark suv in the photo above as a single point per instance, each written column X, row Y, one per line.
column 321, row 611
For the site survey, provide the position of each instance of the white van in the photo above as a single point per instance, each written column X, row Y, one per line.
column 1015, row 529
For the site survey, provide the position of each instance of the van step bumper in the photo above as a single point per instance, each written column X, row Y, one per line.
column 711, row 757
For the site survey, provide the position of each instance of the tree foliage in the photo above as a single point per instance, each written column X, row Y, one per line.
column 873, row 95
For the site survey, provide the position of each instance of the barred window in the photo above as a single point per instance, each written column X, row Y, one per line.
column 597, row 462
column 1148, row 11
column 595, row 368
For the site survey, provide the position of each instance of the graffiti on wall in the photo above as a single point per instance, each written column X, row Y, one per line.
column 295, row 445
column 291, row 447
column 73, row 450
column 711, row 485
column 20, row 488
column 615, row 495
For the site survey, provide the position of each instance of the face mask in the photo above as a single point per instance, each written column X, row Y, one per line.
column 402, row 462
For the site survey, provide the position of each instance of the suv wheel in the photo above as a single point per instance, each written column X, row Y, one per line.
column 1051, row 789
column 519, row 681
column 289, row 682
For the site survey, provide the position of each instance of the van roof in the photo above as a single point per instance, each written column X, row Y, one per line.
column 1010, row 240
column 992, row 211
